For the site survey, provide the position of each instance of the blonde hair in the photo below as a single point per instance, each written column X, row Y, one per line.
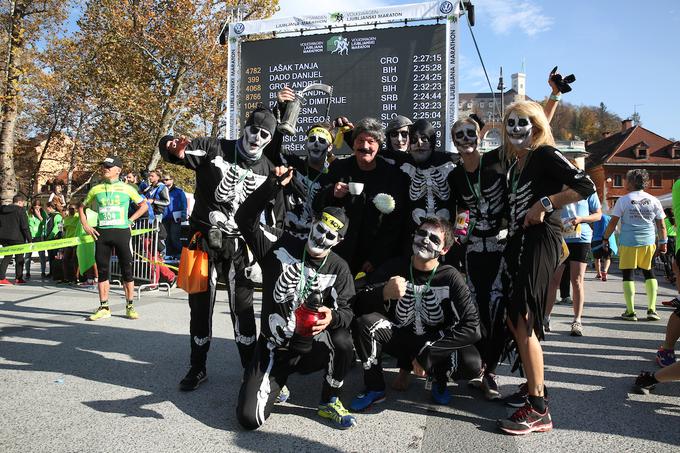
column 541, row 134
column 462, row 122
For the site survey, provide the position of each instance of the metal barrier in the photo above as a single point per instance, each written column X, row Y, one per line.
column 146, row 259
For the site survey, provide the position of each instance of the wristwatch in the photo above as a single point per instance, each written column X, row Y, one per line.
column 547, row 204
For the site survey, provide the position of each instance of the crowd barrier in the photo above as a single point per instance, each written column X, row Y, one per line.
column 146, row 260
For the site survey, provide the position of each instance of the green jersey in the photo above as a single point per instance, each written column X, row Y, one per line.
column 676, row 205
column 111, row 201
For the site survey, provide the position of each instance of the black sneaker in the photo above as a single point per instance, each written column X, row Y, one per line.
column 490, row 387
column 519, row 398
column 526, row 420
column 645, row 383
column 193, row 379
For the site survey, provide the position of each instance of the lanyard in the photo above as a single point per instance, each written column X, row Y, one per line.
column 246, row 173
column 514, row 177
column 307, row 284
column 478, row 186
column 416, row 295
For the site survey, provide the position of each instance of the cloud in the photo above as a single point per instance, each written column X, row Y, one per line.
column 506, row 16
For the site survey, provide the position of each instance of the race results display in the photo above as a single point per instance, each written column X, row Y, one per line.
column 380, row 73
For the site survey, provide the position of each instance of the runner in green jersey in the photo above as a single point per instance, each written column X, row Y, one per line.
column 110, row 199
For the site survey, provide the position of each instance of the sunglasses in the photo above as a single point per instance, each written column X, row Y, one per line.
column 433, row 238
column 422, row 138
column 167, row 179
column 329, row 234
column 395, row 134
column 315, row 138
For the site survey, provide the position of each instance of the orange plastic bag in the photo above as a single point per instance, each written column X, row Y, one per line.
column 193, row 268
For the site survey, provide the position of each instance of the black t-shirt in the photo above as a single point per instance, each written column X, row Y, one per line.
column 280, row 256
column 224, row 178
column 545, row 173
column 487, row 200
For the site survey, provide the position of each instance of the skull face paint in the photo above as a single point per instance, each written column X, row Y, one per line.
column 399, row 139
column 421, row 148
column 465, row 138
column 254, row 140
column 317, row 146
column 321, row 239
column 519, row 129
column 428, row 242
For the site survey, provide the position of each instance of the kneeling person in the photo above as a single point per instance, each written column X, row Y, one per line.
column 417, row 309
column 305, row 313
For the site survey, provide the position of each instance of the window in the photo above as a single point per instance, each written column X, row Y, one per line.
column 618, row 181
column 481, row 105
column 642, row 154
column 469, row 105
column 656, row 179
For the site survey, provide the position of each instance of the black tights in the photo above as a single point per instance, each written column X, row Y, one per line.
column 628, row 274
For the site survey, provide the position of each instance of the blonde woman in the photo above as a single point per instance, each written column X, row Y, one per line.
column 541, row 181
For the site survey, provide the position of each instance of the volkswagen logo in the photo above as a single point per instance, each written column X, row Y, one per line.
column 446, row 7
column 239, row 28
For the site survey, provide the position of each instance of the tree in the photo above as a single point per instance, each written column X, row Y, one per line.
column 25, row 21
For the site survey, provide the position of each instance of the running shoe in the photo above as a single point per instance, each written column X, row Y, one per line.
column 363, row 401
column 101, row 313
column 336, row 412
column 130, row 312
column 519, row 398
column 598, row 276
column 566, row 301
column 5, row 282
column 604, row 276
column 576, row 329
column 193, row 379
column 645, row 383
column 652, row 316
column 674, row 302
column 441, row 394
column 490, row 387
column 283, row 395
column 629, row 316
column 20, row 281
column 665, row 357
column 476, row 382
column 526, row 420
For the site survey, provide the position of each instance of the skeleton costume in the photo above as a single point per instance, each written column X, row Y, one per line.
column 288, row 275
column 226, row 173
column 436, row 323
column 389, row 153
column 532, row 254
column 483, row 192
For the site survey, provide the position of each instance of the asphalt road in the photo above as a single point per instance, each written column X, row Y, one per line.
column 111, row 386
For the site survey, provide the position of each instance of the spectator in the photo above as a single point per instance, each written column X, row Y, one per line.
column 602, row 255
column 131, row 179
column 13, row 231
column 143, row 180
column 639, row 213
column 157, row 195
column 173, row 216
column 57, row 197
column 53, row 224
column 71, row 221
column 36, row 225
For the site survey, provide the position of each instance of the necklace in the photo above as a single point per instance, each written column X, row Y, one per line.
column 307, row 284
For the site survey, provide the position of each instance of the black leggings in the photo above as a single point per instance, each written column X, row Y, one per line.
column 628, row 274
column 117, row 239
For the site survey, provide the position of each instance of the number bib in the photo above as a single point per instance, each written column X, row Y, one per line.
column 112, row 216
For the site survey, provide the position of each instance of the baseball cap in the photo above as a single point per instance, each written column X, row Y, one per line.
column 112, row 161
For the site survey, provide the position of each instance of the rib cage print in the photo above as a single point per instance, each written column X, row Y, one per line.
column 485, row 213
column 236, row 184
column 420, row 312
column 519, row 205
column 430, row 184
column 299, row 218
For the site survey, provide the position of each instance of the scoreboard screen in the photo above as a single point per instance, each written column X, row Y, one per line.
column 380, row 73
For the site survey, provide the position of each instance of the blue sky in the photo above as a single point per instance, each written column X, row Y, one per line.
column 623, row 52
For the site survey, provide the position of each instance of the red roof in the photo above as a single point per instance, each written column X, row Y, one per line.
column 620, row 148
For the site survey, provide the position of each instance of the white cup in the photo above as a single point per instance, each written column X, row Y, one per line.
column 355, row 188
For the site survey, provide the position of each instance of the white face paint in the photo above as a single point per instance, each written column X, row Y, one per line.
column 428, row 242
column 321, row 239
column 254, row 140
column 317, row 149
column 399, row 139
column 465, row 138
column 519, row 130
column 420, row 148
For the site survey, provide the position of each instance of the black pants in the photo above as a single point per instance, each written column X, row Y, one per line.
column 565, row 283
column 18, row 261
column 172, row 242
column 268, row 372
column 483, row 262
column 117, row 239
column 70, row 264
column 374, row 334
column 234, row 251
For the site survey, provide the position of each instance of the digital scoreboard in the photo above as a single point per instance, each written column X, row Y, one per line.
column 380, row 73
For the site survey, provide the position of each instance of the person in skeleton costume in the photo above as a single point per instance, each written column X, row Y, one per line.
column 397, row 144
column 227, row 171
column 541, row 181
column 292, row 271
column 373, row 194
column 480, row 187
column 415, row 308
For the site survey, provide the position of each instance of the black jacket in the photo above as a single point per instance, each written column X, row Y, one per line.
column 14, row 224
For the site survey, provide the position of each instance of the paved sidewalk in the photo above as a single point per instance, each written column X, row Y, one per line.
column 73, row 385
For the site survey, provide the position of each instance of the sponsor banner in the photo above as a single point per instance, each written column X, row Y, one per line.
column 413, row 11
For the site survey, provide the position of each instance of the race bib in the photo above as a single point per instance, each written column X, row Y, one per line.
column 112, row 216
column 570, row 231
